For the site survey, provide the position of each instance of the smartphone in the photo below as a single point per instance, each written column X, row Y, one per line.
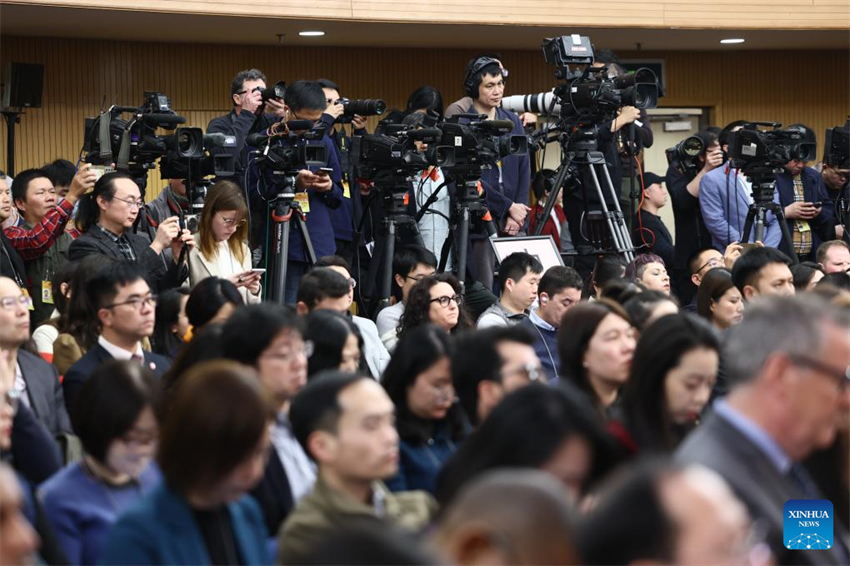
column 325, row 170
column 747, row 246
column 258, row 270
column 817, row 204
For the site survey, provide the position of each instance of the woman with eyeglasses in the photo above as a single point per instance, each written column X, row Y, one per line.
column 430, row 422
column 116, row 417
column 435, row 299
column 222, row 242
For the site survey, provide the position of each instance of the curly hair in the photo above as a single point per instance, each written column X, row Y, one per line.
column 418, row 304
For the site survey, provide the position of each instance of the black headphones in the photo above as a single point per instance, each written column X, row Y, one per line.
column 469, row 86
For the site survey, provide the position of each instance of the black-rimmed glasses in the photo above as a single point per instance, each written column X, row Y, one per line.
column 445, row 300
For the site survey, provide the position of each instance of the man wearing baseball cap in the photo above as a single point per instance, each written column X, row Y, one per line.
column 650, row 235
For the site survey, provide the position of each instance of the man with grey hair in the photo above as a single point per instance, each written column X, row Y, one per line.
column 788, row 368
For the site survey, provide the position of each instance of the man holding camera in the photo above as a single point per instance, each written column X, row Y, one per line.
column 505, row 186
column 833, row 183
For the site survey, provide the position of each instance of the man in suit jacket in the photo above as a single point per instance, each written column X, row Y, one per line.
column 809, row 221
column 36, row 380
column 125, row 308
column 106, row 217
column 787, row 364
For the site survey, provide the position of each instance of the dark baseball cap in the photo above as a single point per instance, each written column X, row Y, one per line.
column 651, row 179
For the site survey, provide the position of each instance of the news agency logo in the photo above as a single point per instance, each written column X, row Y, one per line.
column 807, row 524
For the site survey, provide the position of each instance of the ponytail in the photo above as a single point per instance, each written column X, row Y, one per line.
column 88, row 212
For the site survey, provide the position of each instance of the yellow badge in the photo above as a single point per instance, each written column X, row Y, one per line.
column 27, row 293
column 345, row 192
column 303, row 200
column 47, row 292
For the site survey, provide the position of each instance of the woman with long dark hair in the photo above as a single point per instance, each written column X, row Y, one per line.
column 718, row 300
column 430, row 423
column 171, row 323
column 337, row 343
column 436, row 299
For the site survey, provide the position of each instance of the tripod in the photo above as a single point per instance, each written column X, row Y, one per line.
column 763, row 188
column 470, row 207
column 284, row 210
column 581, row 156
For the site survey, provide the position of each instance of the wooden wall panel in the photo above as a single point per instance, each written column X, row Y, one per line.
column 724, row 14
column 782, row 86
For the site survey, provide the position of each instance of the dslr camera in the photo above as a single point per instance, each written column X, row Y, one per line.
column 365, row 107
column 685, row 153
column 286, row 152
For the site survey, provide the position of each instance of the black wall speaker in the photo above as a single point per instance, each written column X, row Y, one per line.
column 22, row 85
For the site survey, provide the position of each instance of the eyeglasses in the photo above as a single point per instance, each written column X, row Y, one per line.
column 12, row 398
column 137, row 303
column 713, row 262
column 232, row 221
column 305, row 350
column 445, row 300
column 140, row 439
column 417, row 278
column 841, row 377
column 534, row 372
column 9, row 303
column 131, row 202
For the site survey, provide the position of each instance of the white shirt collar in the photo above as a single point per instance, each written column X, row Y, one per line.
column 120, row 353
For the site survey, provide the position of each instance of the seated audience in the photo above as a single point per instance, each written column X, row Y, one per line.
column 430, row 423
column 269, row 338
column 519, row 276
column 650, row 271
column 806, row 275
column 47, row 332
column 36, row 382
column 608, row 267
column 117, row 419
column 106, row 217
column 436, row 299
column 833, row 256
column 650, row 235
column 337, row 344
column 763, row 271
column 786, row 364
column 673, row 373
column 719, row 301
column 345, row 423
column 558, row 291
column 520, row 517
column 20, row 541
column 206, row 345
column 700, row 263
column 410, row 265
column 648, row 306
column 221, row 248
column 836, row 279
column 171, row 324
column 560, row 435
column 489, row 364
column 212, row 451
column 211, row 301
column 597, row 352
column 683, row 513
column 124, row 305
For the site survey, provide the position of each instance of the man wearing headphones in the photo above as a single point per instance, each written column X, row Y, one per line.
column 506, row 185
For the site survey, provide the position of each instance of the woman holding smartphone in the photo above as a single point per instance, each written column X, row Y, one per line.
column 221, row 248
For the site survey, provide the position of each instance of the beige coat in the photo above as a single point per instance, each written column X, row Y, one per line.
column 201, row 268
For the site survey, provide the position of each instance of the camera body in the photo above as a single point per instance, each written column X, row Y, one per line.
column 756, row 151
column 364, row 107
column 837, row 147
column 480, row 144
column 190, row 222
column 685, row 153
column 282, row 155
column 188, row 155
column 393, row 155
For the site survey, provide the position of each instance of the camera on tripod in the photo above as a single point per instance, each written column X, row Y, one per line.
column 480, row 143
column 287, row 149
column 685, row 153
column 837, row 146
column 760, row 152
column 365, row 107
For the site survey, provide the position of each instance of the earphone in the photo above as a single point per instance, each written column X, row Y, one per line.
column 544, row 300
column 469, row 86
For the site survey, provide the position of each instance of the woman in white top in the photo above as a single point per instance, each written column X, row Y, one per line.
column 221, row 248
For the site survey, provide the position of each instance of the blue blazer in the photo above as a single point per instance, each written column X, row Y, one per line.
column 822, row 225
column 161, row 529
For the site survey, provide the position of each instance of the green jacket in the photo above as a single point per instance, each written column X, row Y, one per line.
column 325, row 509
column 43, row 268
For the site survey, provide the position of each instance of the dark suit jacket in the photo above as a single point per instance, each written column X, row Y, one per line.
column 822, row 225
column 160, row 276
column 274, row 494
column 34, row 454
column 718, row 445
column 45, row 392
column 11, row 263
column 79, row 373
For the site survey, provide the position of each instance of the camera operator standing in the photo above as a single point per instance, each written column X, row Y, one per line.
column 683, row 180
column 505, row 186
column 834, row 184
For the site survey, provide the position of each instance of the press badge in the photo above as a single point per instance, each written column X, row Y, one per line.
column 345, row 192
column 303, row 200
column 27, row 293
column 47, row 292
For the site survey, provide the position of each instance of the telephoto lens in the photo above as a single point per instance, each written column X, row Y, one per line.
column 365, row 107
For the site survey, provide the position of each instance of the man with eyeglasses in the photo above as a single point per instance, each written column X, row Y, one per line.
column 35, row 381
column 125, row 308
column 788, row 364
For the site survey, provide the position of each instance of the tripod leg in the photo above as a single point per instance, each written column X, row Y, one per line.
column 463, row 240
column 387, row 262
column 553, row 196
column 625, row 235
column 615, row 231
column 280, row 258
column 748, row 225
column 309, row 252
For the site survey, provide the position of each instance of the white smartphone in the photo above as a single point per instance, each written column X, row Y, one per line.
column 258, row 270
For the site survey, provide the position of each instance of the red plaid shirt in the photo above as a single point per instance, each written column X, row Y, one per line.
column 35, row 242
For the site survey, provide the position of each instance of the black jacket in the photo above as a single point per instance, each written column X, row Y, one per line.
column 45, row 392
column 11, row 263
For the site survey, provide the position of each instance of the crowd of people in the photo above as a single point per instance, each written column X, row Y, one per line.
column 157, row 408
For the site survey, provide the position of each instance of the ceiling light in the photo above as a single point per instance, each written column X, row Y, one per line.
column 313, row 33
column 732, row 40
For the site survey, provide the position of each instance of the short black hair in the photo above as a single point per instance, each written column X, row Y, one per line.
column 168, row 305
column 516, row 265
column 320, row 284
column 110, row 402
column 207, row 298
column 558, row 278
column 838, row 279
column 747, row 268
column 328, row 331
column 22, row 181
column 316, row 406
column 88, row 211
column 641, row 306
column 407, row 258
column 607, row 57
column 723, row 136
column 238, row 81
column 327, row 83
column 60, row 172
column 250, row 330
column 543, row 182
column 694, row 262
column 333, row 261
column 305, row 95
column 103, row 287
column 426, row 97
column 803, row 273
column 493, row 69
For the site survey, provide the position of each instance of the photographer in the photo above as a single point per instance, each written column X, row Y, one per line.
column 505, row 186
column 809, row 221
column 245, row 117
column 833, row 183
column 683, row 180
column 343, row 218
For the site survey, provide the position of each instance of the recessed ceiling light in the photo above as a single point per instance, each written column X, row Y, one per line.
column 313, row 33
column 733, row 40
